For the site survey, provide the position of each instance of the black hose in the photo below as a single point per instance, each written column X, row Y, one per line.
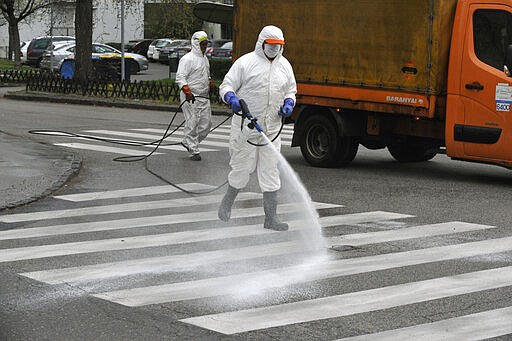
column 157, row 143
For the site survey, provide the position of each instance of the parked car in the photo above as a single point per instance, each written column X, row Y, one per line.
column 59, row 53
column 139, row 46
column 181, row 45
column 158, row 47
column 213, row 44
column 38, row 45
column 23, row 51
column 151, row 49
column 225, row 52
column 63, row 52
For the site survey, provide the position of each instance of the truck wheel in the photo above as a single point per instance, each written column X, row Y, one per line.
column 322, row 147
column 402, row 152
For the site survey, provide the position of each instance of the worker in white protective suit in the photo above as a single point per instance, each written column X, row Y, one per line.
column 193, row 78
column 264, row 79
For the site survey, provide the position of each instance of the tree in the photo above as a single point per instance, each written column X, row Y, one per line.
column 170, row 18
column 83, row 32
column 15, row 11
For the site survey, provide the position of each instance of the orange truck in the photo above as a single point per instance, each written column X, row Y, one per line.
column 414, row 76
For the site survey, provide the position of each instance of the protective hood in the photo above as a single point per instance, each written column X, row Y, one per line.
column 269, row 32
column 197, row 38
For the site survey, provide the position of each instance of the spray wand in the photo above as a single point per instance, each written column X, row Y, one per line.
column 246, row 114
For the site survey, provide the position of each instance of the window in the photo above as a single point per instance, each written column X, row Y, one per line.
column 492, row 31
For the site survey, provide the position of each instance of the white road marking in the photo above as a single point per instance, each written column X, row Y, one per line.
column 478, row 326
column 161, row 264
column 133, row 192
column 128, row 207
column 406, row 233
column 105, row 149
column 319, row 270
column 156, row 137
column 353, row 303
column 168, row 263
column 120, row 224
column 285, row 137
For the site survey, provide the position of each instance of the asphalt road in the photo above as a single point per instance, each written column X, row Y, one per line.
column 422, row 246
column 155, row 71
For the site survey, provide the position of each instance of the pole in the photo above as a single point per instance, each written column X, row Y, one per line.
column 122, row 41
column 51, row 37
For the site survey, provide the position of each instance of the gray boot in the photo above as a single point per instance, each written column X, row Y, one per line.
column 228, row 200
column 272, row 222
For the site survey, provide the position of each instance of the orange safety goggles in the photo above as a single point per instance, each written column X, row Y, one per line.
column 274, row 41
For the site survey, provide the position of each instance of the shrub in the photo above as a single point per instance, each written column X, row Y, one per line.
column 219, row 68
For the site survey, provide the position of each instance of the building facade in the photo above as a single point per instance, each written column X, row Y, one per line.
column 59, row 19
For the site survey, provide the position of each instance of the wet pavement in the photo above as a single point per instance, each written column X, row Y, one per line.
column 31, row 170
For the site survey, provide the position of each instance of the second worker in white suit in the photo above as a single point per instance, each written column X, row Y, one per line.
column 193, row 78
column 264, row 79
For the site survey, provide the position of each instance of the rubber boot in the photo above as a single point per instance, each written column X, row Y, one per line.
column 228, row 200
column 272, row 222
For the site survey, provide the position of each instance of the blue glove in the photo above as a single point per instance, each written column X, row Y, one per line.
column 233, row 101
column 287, row 108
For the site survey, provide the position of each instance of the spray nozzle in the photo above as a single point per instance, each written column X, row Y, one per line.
column 253, row 120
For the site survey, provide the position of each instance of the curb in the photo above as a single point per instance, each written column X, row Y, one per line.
column 131, row 104
column 73, row 169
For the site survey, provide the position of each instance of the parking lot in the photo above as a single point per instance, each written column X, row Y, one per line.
column 155, row 71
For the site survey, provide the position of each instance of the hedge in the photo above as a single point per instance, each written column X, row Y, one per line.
column 219, row 68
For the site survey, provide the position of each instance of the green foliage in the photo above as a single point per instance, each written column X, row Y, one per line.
column 170, row 19
column 6, row 64
column 219, row 68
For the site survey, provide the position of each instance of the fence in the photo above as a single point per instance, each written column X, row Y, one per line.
column 36, row 80
column 17, row 75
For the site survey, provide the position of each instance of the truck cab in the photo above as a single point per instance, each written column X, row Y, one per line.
column 478, row 115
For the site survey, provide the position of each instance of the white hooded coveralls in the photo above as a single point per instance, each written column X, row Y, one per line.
column 263, row 85
column 194, row 71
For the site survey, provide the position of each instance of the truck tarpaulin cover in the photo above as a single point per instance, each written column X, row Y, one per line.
column 378, row 43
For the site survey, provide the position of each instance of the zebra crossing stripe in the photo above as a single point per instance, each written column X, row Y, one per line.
column 156, row 137
column 406, row 233
column 118, row 208
column 312, row 271
column 132, row 192
column 41, row 251
column 224, row 130
column 128, row 243
column 478, row 326
column 104, row 133
column 224, row 136
column 168, row 263
column 353, row 303
column 285, row 138
column 120, row 224
column 105, row 149
column 286, row 132
column 162, row 264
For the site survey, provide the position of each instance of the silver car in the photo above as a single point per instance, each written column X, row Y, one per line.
column 54, row 60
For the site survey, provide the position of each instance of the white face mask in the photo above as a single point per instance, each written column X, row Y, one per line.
column 271, row 50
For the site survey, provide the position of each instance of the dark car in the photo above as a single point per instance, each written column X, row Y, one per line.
column 139, row 46
column 213, row 44
column 225, row 52
column 180, row 46
column 38, row 45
